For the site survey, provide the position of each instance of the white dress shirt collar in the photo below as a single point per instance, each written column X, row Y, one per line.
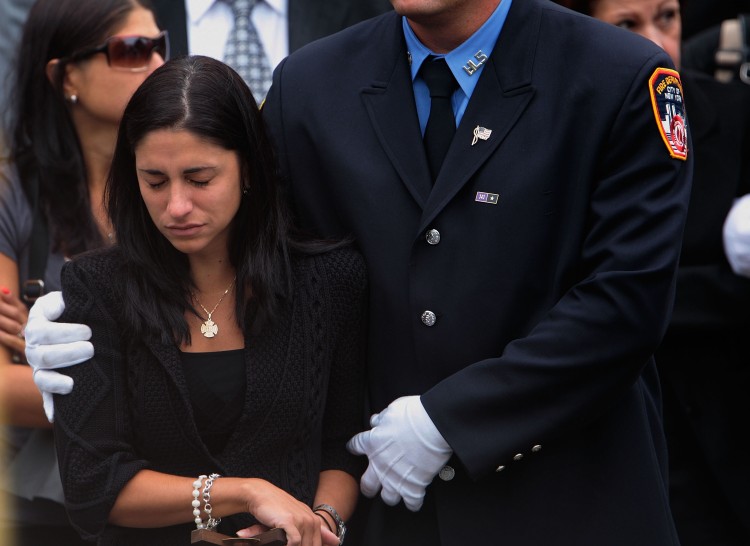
column 196, row 9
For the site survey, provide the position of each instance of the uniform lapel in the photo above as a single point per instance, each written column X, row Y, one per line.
column 501, row 96
column 389, row 101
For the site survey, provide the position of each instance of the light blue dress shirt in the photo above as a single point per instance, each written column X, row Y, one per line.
column 483, row 40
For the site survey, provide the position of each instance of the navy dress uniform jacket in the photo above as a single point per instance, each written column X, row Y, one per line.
column 538, row 370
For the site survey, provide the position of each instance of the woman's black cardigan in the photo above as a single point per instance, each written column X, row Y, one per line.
column 130, row 408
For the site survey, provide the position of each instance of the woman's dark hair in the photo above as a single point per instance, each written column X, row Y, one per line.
column 43, row 141
column 211, row 101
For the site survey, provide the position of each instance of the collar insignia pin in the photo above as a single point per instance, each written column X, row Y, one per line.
column 481, row 133
column 471, row 67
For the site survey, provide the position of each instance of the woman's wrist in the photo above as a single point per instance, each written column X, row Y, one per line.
column 339, row 527
column 253, row 493
column 232, row 496
column 327, row 519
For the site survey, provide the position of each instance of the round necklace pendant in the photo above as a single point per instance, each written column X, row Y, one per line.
column 209, row 328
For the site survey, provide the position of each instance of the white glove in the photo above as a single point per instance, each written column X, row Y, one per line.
column 737, row 236
column 51, row 345
column 405, row 450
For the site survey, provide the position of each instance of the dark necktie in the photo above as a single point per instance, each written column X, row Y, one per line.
column 441, row 125
column 245, row 53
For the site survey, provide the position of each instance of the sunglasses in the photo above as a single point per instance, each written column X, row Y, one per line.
column 131, row 53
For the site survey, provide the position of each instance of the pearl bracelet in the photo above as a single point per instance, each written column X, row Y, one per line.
column 197, row 503
column 211, row 522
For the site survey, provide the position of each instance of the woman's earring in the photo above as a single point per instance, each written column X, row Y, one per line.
column 244, row 191
column 73, row 99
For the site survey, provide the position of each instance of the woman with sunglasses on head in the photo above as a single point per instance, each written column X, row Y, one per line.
column 703, row 360
column 78, row 64
column 228, row 350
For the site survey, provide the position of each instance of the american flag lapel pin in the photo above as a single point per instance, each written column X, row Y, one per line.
column 481, row 133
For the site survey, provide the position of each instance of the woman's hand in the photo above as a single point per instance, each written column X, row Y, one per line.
column 329, row 539
column 273, row 507
column 13, row 317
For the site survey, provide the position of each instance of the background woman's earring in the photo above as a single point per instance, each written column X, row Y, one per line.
column 73, row 99
column 244, row 191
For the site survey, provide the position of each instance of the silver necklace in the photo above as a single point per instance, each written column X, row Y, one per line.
column 209, row 328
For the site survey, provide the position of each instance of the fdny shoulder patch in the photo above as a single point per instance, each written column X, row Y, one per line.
column 668, row 102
